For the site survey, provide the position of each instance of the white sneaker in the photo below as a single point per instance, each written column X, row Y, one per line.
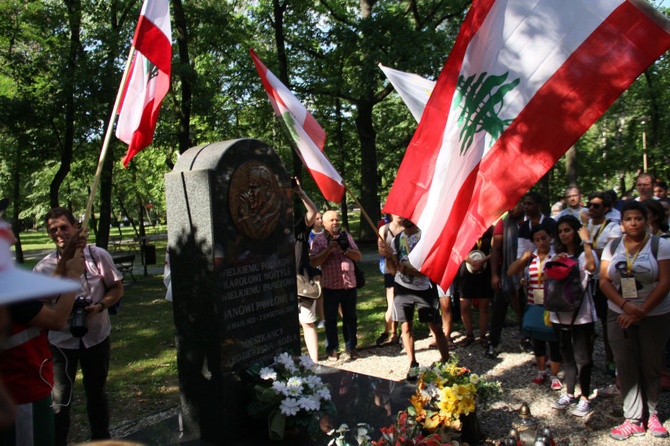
column 583, row 409
column 564, row 402
column 609, row 391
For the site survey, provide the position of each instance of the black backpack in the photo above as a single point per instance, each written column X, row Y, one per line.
column 564, row 295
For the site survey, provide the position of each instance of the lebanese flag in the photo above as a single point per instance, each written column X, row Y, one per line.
column 523, row 82
column 413, row 89
column 308, row 135
column 149, row 78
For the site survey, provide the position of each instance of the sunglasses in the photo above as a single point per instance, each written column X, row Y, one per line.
column 594, row 205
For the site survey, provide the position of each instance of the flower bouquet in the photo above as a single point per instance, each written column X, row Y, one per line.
column 447, row 392
column 290, row 394
column 407, row 432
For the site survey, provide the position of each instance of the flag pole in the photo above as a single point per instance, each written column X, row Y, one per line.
column 108, row 137
column 295, row 148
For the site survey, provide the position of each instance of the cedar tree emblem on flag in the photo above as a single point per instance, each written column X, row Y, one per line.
column 525, row 79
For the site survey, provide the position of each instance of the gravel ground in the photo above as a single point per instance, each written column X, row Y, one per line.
column 514, row 370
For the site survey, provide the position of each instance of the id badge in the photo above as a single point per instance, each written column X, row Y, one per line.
column 538, row 296
column 628, row 288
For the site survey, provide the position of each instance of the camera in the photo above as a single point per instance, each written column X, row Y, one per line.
column 78, row 321
column 343, row 241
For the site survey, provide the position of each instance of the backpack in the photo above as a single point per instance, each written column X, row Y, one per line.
column 563, row 290
column 655, row 241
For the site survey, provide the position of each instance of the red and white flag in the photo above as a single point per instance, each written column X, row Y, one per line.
column 148, row 79
column 308, row 135
column 523, row 82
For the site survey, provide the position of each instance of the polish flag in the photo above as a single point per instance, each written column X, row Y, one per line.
column 525, row 79
column 308, row 135
column 149, row 78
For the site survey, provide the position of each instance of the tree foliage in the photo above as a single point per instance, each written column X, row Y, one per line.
column 61, row 63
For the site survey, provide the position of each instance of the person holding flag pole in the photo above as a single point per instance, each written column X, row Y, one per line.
column 307, row 138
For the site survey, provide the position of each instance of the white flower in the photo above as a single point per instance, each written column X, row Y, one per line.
column 313, row 381
column 362, row 436
column 285, row 359
column 294, row 386
column 268, row 373
column 474, row 379
column 289, row 407
column 309, row 403
column 342, row 429
column 306, row 362
column 280, row 388
column 323, row 393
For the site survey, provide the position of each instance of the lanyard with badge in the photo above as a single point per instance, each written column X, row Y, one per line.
column 628, row 287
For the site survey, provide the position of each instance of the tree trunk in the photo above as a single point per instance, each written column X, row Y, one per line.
column 16, row 195
column 187, row 78
column 74, row 19
column 571, row 166
column 369, row 199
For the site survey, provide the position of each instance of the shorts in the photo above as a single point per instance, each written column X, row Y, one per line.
column 389, row 280
column 306, row 310
column 426, row 302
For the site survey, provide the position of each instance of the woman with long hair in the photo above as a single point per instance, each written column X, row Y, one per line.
column 531, row 263
column 575, row 330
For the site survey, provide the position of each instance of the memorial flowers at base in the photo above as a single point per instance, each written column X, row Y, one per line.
column 290, row 395
column 445, row 393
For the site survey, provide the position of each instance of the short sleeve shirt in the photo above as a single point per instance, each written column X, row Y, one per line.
column 406, row 244
column 100, row 274
column 337, row 271
column 644, row 269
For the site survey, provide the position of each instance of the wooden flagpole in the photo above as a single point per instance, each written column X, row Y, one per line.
column 108, row 137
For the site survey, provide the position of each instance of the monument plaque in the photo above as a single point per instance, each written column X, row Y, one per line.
column 230, row 232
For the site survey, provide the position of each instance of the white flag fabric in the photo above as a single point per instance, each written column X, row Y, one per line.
column 414, row 90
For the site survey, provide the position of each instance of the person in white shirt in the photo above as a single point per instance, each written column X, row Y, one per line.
column 574, row 206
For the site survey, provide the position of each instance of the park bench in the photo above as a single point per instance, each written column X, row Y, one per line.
column 125, row 262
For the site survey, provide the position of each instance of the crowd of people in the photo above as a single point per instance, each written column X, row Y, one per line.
column 618, row 246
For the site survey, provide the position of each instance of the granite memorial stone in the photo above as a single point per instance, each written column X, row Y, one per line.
column 231, row 245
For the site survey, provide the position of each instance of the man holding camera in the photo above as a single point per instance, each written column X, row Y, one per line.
column 335, row 252
column 85, row 339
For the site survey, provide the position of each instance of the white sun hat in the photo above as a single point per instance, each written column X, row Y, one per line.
column 17, row 284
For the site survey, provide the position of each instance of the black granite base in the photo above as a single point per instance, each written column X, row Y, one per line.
column 358, row 398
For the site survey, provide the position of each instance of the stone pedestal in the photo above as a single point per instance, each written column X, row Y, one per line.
column 231, row 245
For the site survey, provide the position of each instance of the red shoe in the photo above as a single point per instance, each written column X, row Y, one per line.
column 655, row 427
column 540, row 378
column 626, row 430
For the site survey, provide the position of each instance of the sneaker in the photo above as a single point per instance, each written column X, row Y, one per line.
column 382, row 339
column 626, row 430
column 321, row 324
column 395, row 339
column 491, row 352
column 563, row 402
column 540, row 378
column 556, row 383
column 609, row 391
column 333, row 356
column 413, row 372
column 353, row 354
column 655, row 427
column 583, row 409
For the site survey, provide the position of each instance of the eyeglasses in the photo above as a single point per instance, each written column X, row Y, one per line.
column 594, row 205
